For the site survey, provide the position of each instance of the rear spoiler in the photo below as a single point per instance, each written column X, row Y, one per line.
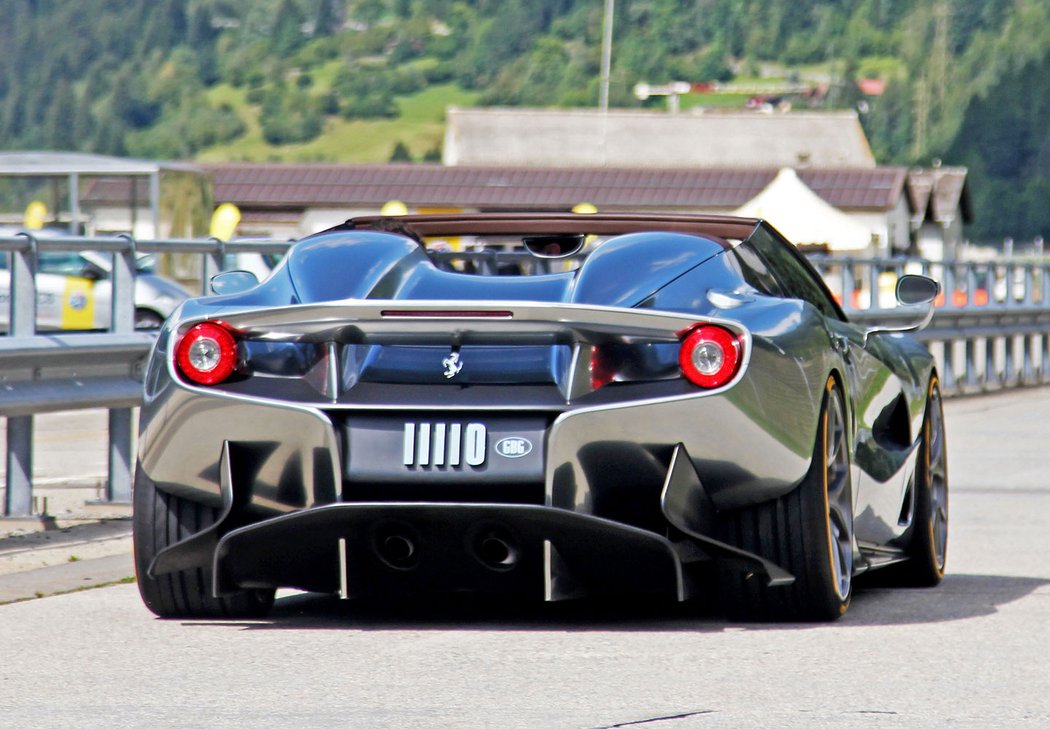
column 455, row 323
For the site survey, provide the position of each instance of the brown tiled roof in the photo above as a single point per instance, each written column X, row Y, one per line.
column 436, row 185
column 859, row 189
column 317, row 185
column 292, row 187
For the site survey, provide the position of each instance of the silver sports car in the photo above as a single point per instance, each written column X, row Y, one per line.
column 669, row 405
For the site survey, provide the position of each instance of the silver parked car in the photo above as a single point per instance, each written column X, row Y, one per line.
column 74, row 291
column 686, row 412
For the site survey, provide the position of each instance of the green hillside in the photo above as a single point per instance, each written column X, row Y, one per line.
column 369, row 80
column 419, row 126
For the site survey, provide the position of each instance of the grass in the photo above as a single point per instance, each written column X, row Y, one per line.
column 421, row 127
column 722, row 101
column 324, row 76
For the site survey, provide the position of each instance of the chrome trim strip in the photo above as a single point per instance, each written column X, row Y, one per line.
column 344, row 594
column 408, row 455
column 578, row 383
column 548, row 576
column 332, row 386
column 423, row 447
column 439, row 444
column 454, row 444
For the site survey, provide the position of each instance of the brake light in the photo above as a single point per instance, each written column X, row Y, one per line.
column 710, row 355
column 445, row 314
column 207, row 353
column 603, row 369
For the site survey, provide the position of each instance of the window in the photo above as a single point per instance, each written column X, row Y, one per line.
column 755, row 271
column 796, row 277
column 66, row 264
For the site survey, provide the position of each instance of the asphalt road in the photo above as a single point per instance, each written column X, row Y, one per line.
column 974, row 652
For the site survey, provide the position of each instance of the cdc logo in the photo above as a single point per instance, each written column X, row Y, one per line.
column 514, row 447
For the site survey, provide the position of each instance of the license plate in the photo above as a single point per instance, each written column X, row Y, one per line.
column 386, row 449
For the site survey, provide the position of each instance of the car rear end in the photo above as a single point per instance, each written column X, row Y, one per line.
column 400, row 445
column 403, row 426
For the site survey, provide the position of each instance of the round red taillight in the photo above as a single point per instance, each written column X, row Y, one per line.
column 207, row 354
column 710, row 355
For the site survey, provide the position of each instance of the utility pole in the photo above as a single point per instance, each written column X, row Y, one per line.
column 922, row 116
column 607, row 28
column 939, row 63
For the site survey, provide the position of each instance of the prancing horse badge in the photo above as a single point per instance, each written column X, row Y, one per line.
column 452, row 365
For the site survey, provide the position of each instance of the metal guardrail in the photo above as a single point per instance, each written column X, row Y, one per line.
column 992, row 330
column 45, row 372
column 975, row 285
column 991, row 327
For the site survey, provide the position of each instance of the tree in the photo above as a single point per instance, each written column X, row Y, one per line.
column 83, row 124
column 365, row 92
column 12, row 115
column 544, row 71
column 130, row 104
column 400, row 153
column 888, row 123
column 713, row 66
column 165, row 26
column 369, row 12
column 201, row 33
column 326, row 20
column 110, row 138
column 289, row 117
column 287, row 34
column 1004, row 142
column 61, row 118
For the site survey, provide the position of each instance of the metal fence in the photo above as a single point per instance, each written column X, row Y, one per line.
column 867, row 283
column 47, row 372
column 991, row 330
column 991, row 326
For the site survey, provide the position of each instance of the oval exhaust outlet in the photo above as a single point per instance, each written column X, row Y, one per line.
column 496, row 551
column 396, row 549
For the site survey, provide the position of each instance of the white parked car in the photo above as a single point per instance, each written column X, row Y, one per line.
column 260, row 264
column 74, row 292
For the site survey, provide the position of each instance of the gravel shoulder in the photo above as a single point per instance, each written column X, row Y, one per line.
column 73, row 555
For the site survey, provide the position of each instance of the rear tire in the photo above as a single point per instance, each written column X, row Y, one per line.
column 808, row 532
column 161, row 520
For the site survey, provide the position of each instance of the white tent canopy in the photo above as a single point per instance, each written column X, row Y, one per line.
column 804, row 217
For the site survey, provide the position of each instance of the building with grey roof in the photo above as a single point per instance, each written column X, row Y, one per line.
column 645, row 139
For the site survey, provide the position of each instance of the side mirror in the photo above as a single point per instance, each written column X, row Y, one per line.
column 233, row 282
column 913, row 290
column 915, row 296
column 92, row 272
column 554, row 246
